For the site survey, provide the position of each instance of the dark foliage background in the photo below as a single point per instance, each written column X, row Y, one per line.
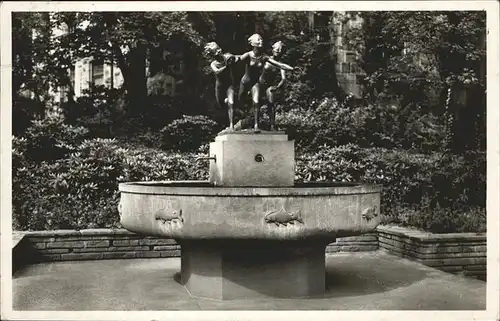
column 419, row 128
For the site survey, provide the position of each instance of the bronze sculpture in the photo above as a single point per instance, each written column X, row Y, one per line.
column 266, row 79
column 255, row 61
column 224, row 78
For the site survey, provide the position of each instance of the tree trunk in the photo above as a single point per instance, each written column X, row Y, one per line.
column 133, row 69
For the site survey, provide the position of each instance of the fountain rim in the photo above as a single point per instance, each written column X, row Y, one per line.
column 169, row 188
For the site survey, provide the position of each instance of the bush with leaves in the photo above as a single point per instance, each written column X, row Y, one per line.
column 50, row 139
column 100, row 109
column 79, row 188
column 147, row 164
column 333, row 123
column 189, row 133
column 439, row 219
column 409, row 180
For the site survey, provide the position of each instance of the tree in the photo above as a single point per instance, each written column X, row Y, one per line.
column 407, row 54
column 30, row 77
column 132, row 40
column 316, row 77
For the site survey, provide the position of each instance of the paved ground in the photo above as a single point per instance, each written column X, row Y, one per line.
column 356, row 281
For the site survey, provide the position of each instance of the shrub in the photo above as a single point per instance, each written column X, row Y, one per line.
column 77, row 191
column 456, row 183
column 24, row 111
column 301, row 126
column 444, row 219
column 146, row 164
column 332, row 123
column 80, row 190
column 100, row 109
column 75, row 186
column 189, row 133
column 51, row 139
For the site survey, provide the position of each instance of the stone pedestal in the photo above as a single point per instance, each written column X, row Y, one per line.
column 247, row 159
column 243, row 271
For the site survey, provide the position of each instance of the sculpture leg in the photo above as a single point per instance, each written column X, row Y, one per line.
column 256, row 111
column 219, row 94
column 241, row 113
column 256, row 117
column 230, row 104
column 271, row 109
column 241, row 91
column 272, row 116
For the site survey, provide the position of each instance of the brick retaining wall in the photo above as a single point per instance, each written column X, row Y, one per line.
column 361, row 243
column 461, row 253
column 98, row 244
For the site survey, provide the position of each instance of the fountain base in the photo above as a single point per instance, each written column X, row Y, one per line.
column 244, row 270
column 250, row 230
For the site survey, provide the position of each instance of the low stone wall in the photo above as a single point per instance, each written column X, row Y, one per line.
column 361, row 243
column 463, row 253
column 460, row 253
column 98, row 244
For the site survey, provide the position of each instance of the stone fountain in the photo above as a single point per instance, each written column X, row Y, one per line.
column 250, row 230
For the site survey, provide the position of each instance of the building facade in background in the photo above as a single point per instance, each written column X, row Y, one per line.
column 89, row 72
column 331, row 31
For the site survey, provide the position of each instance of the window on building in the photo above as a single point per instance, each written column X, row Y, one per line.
column 345, row 67
column 350, row 57
column 322, row 19
column 346, row 29
column 72, row 75
column 322, row 26
column 407, row 48
column 176, row 65
column 97, row 73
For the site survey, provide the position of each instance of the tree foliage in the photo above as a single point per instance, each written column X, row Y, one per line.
column 416, row 57
column 410, row 59
column 424, row 85
column 131, row 40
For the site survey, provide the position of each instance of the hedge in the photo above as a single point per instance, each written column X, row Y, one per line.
column 63, row 180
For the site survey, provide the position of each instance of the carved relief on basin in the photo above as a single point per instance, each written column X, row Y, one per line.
column 197, row 210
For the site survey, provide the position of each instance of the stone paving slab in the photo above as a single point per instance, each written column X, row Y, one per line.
column 356, row 281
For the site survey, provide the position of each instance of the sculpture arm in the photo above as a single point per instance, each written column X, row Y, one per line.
column 280, row 64
column 242, row 57
column 282, row 81
column 216, row 70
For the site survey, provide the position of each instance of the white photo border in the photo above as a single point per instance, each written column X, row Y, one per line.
column 493, row 159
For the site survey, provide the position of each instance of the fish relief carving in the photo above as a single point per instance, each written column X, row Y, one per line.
column 282, row 217
column 369, row 213
column 173, row 216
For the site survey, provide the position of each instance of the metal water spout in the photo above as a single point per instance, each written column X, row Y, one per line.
column 198, row 159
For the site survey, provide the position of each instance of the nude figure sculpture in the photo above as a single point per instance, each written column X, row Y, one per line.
column 267, row 80
column 224, row 78
column 256, row 61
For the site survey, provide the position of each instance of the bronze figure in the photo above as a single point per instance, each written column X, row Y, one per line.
column 268, row 77
column 224, row 78
column 255, row 62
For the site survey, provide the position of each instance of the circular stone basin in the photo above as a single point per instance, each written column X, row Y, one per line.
column 199, row 210
column 237, row 242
